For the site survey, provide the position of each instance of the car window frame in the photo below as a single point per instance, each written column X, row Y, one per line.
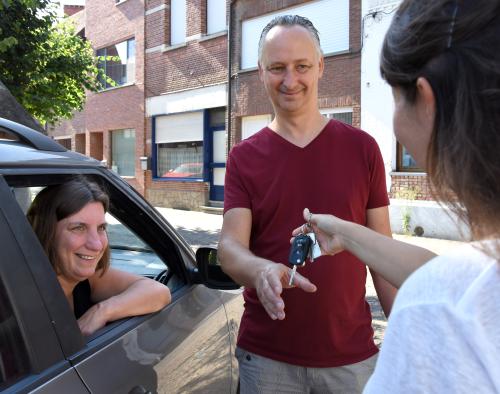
column 174, row 250
column 36, row 298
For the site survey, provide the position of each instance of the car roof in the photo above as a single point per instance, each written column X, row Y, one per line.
column 31, row 148
column 16, row 154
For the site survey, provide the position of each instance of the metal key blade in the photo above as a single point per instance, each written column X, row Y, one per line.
column 292, row 275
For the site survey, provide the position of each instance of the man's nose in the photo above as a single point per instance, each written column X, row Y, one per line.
column 290, row 78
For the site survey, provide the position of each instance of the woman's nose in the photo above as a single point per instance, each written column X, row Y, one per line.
column 95, row 240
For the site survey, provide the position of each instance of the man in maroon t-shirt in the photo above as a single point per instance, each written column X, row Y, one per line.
column 325, row 341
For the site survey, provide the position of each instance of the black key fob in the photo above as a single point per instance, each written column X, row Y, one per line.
column 299, row 250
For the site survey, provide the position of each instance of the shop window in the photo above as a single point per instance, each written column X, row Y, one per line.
column 179, row 145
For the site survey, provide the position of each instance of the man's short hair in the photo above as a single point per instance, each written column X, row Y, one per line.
column 290, row 20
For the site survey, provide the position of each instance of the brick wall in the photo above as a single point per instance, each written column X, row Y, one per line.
column 72, row 9
column 410, row 187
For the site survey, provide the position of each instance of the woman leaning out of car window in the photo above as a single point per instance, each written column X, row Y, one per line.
column 69, row 220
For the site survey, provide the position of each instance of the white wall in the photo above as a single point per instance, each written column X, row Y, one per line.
column 376, row 118
column 376, row 97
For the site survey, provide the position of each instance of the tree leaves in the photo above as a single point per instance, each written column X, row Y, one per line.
column 44, row 64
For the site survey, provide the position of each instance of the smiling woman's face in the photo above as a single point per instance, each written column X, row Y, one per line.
column 80, row 242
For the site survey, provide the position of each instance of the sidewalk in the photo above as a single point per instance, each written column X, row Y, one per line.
column 203, row 229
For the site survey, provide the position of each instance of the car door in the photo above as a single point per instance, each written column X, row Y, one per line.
column 31, row 355
column 183, row 348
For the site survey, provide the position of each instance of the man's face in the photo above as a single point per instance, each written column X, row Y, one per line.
column 290, row 69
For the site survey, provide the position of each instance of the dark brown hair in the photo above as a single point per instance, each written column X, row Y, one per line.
column 455, row 45
column 57, row 202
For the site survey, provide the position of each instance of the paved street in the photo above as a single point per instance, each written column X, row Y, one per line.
column 203, row 229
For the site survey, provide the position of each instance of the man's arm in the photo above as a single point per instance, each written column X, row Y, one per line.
column 377, row 219
column 267, row 277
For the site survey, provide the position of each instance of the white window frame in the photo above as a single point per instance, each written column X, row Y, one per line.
column 328, row 112
column 252, row 124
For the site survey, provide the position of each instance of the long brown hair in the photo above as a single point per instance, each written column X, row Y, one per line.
column 57, row 202
column 455, row 45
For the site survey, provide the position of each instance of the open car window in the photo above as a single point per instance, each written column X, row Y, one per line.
column 128, row 251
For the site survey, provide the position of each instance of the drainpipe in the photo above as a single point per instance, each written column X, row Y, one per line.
column 229, row 78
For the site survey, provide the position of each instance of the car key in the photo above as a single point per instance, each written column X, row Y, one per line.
column 314, row 250
column 299, row 252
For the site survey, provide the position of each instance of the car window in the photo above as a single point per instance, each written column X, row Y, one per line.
column 14, row 362
column 128, row 251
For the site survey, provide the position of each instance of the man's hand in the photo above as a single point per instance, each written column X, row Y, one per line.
column 270, row 283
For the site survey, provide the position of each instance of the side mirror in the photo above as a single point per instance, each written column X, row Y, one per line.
column 210, row 272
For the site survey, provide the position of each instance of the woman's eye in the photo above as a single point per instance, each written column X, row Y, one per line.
column 78, row 228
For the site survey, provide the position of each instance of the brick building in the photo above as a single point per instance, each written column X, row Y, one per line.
column 186, row 101
column 180, row 102
column 111, row 126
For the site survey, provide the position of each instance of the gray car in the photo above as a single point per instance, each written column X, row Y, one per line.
column 185, row 347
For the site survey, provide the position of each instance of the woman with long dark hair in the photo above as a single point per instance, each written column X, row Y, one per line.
column 442, row 60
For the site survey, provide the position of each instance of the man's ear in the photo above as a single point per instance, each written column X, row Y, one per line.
column 261, row 72
column 425, row 98
column 321, row 66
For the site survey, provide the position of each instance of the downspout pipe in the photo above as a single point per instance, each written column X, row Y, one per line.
column 229, row 72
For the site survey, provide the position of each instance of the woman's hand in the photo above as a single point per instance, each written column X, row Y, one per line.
column 327, row 231
column 93, row 319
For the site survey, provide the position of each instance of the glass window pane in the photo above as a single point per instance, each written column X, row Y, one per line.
column 407, row 161
column 217, row 117
column 180, row 159
column 118, row 63
column 13, row 355
column 123, row 152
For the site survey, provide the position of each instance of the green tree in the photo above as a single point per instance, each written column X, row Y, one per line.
column 44, row 64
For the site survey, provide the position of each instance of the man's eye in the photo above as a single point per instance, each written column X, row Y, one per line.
column 102, row 227
column 276, row 69
column 303, row 68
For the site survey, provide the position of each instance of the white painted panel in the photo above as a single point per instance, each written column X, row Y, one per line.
column 251, row 124
column 330, row 17
column 216, row 16
column 219, row 175
column 179, row 127
column 177, row 22
column 219, row 146
column 188, row 100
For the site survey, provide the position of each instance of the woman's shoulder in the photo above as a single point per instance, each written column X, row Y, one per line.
column 452, row 278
